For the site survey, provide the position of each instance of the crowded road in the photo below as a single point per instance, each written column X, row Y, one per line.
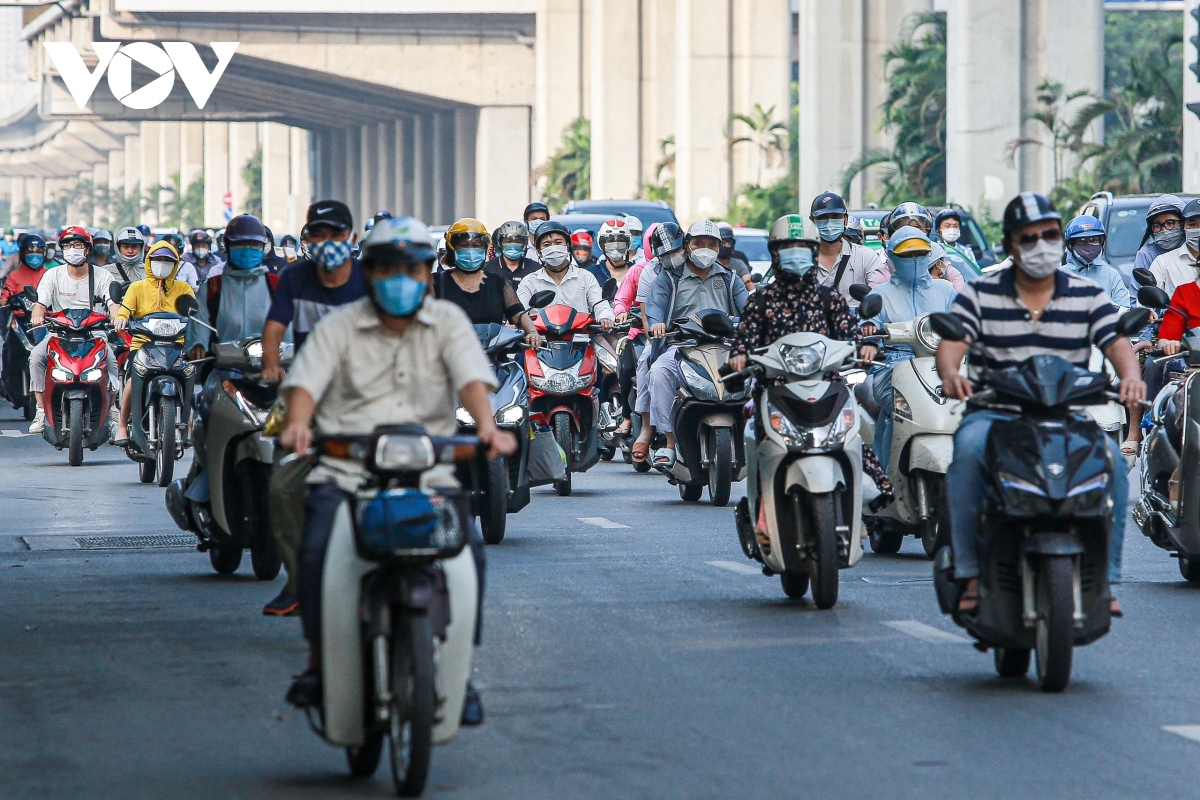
column 629, row 651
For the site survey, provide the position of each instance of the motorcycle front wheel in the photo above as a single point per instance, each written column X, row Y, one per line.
column 364, row 761
column 823, row 564
column 75, row 425
column 1055, row 605
column 225, row 559
column 720, row 472
column 493, row 516
column 164, row 462
column 931, row 528
column 410, row 731
column 564, row 437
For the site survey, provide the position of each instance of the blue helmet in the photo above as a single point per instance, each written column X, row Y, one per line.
column 1086, row 225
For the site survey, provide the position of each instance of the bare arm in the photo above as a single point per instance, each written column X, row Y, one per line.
column 1120, row 353
column 272, row 336
column 948, row 359
column 297, row 433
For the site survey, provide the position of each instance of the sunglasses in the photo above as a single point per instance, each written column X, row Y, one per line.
column 1048, row 235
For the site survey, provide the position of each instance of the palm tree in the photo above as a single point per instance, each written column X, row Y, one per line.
column 569, row 171
column 663, row 189
column 767, row 134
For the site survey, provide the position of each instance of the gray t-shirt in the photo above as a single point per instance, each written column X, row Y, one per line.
column 694, row 294
column 738, row 267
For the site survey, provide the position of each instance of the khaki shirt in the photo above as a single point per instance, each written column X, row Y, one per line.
column 362, row 375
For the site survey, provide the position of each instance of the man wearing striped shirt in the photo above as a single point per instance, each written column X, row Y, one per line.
column 1028, row 309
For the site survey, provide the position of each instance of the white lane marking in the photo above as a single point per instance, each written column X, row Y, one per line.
column 1186, row 731
column 601, row 522
column 16, row 433
column 733, row 566
column 926, row 633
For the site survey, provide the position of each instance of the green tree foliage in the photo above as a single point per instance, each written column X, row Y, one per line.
column 914, row 112
column 768, row 135
column 662, row 188
column 185, row 208
column 1130, row 35
column 757, row 206
column 252, row 177
column 568, row 172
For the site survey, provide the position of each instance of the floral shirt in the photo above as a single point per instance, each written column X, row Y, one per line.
column 794, row 305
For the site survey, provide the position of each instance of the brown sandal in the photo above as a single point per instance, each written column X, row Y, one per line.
column 969, row 602
column 1114, row 608
column 640, row 451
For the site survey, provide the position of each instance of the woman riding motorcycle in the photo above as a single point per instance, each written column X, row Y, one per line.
column 485, row 296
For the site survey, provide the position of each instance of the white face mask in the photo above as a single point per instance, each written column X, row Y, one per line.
column 75, row 256
column 616, row 251
column 673, row 260
column 1041, row 260
column 161, row 269
column 950, row 235
column 201, row 252
column 704, row 257
column 555, row 254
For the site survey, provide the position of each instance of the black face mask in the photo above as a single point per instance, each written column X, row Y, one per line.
column 101, row 250
column 725, row 251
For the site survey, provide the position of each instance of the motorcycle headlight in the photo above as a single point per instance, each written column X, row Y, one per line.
column 803, row 360
column 607, row 359
column 91, row 375
column 510, row 415
column 61, row 375
column 141, row 362
column 700, row 385
column 562, row 381
column 926, row 335
column 463, row 417
column 1023, row 498
column 900, row 407
column 1087, row 498
column 841, row 424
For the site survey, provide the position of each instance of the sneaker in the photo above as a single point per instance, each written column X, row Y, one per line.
column 472, row 713
column 39, row 422
column 287, row 604
column 306, row 691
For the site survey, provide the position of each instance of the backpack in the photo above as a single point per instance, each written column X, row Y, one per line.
column 214, row 294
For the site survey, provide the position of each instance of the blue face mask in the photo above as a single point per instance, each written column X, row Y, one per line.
column 34, row 260
column 470, row 259
column 909, row 269
column 329, row 255
column 796, row 261
column 514, row 251
column 399, row 296
column 246, row 257
column 830, row 230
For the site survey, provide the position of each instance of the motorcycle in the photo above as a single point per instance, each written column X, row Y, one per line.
column 237, row 460
column 805, row 465
column 627, row 361
column 19, row 342
column 1166, row 510
column 1046, row 518
column 161, row 387
column 706, row 414
column 398, row 606
column 506, row 487
column 923, row 428
column 77, row 396
column 608, row 348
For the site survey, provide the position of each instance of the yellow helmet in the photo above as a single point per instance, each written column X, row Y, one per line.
column 467, row 232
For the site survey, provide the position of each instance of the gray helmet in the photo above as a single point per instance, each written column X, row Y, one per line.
column 130, row 236
column 513, row 229
column 911, row 211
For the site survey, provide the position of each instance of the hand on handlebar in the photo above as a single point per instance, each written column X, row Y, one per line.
column 534, row 339
column 737, row 363
column 958, row 387
column 498, row 442
column 868, row 330
column 868, row 352
column 297, row 437
column 1169, row 347
column 606, row 324
column 198, row 352
column 121, row 324
column 1133, row 390
column 658, row 330
column 624, row 315
column 273, row 374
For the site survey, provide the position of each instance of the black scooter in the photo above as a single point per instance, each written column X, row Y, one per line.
column 1046, row 518
column 19, row 341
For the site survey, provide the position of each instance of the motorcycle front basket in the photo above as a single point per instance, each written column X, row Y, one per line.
column 410, row 525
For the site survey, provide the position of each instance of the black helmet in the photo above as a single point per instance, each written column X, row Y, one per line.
column 666, row 237
column 945, row 214
column 245, row 228
column 532, row 207
column 199, row 236
column 885, row 224
column 30, row 241
column 827, row 204
column 1028, row 207
column 176, row 241
column 551, row 226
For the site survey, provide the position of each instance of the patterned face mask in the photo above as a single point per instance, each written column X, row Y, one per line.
column 330, row 254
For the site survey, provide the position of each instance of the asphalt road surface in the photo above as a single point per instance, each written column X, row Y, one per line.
column 630, row 651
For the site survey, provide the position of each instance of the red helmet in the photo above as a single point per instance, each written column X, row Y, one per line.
column 581, row 238
column 74, row 233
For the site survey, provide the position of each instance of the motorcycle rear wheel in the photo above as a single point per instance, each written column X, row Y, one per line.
column 883, row 540
column 1056, row 623
column 564, row 436
column 720, row 472
column 225, row 559
column 410, row 733
column 607, row 453
column 823, row 566
column 493, row 516
column 364, row 761
column 75, row 425
column 146, row 471
column 1011, row 662
column 795, row 584
column 164, row 462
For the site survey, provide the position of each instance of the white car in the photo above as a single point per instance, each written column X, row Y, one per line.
column 753, row 242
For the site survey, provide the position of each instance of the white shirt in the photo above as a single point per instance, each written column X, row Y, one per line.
column 1173, row 269
column 579, row 290
column 58, row 291
column 863, row 261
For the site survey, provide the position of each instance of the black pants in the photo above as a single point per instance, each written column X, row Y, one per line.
column 319, row 510
column 627, row 373
column 1153, row 372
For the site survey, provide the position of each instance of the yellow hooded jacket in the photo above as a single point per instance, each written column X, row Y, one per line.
column 150, row 295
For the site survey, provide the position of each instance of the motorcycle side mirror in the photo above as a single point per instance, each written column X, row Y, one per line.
column 948, row 327
column 1144, row 277
column 186, row 305
column 858, row 291
column 610, row 289
column 1153, row 297
column 756, row 277
column 717, row 325
column 870, row 306
column 1133, row 321
column 541, row 299
column 116, row 292
column 30, row 292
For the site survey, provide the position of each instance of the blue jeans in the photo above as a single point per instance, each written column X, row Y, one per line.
column 966, row 482
column 881, row 390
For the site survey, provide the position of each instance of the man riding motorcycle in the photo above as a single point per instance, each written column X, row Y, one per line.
column 678, row 292
column 336, row 383
column 202, row 258
column 32, row 254
column 102, row 248
column 947, row 225
column 911, row 292
column 571, row 285
column 840, row 262
column 1027, row 309
column 510, row 241
column 129, row 264
column 664, row 242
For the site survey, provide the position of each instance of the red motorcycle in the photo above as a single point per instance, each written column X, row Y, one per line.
column 562, row 385
column 77, row 396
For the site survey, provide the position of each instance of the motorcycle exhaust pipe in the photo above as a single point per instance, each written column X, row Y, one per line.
column 922, row 498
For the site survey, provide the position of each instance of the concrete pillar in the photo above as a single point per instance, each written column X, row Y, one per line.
column 35, row 189
column 385, row 171
column 400, row 202
column 442, row 164
column 657, row 108
column 761, row 71
column 502, row 164
column 168, row 163
column 116, row 170
column 148, row 161
column 368, row 172
column 983, row 103
column 17, row 200
column 831, row 95
column 133, row 166
column 191, row 155
column 1191, row 96
column 276, row 175
column 243, row 141
column 559, row 68
column 423, row 168
column 99, row 179
column 466, row 122
column 299, row 183
column 703, row 105
column 615, row 72
column 216, row 172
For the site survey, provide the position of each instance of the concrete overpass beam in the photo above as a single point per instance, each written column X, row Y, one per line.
column 216, row 172
column 615, row 73
column 466, row 124
column 703, row 105
column 502, row 164
column 983, row 107
column 276, row 176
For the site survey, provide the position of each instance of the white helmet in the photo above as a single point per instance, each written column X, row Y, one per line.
column 613, row 230
column 130, row 236
column 704, row 227
column 635, row 228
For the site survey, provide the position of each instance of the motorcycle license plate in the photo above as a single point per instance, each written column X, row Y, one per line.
column 581, row 337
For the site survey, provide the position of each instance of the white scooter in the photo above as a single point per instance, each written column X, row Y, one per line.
column 398, row 605
column 923, row 429
column 805, row 466
column 1111, row 416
